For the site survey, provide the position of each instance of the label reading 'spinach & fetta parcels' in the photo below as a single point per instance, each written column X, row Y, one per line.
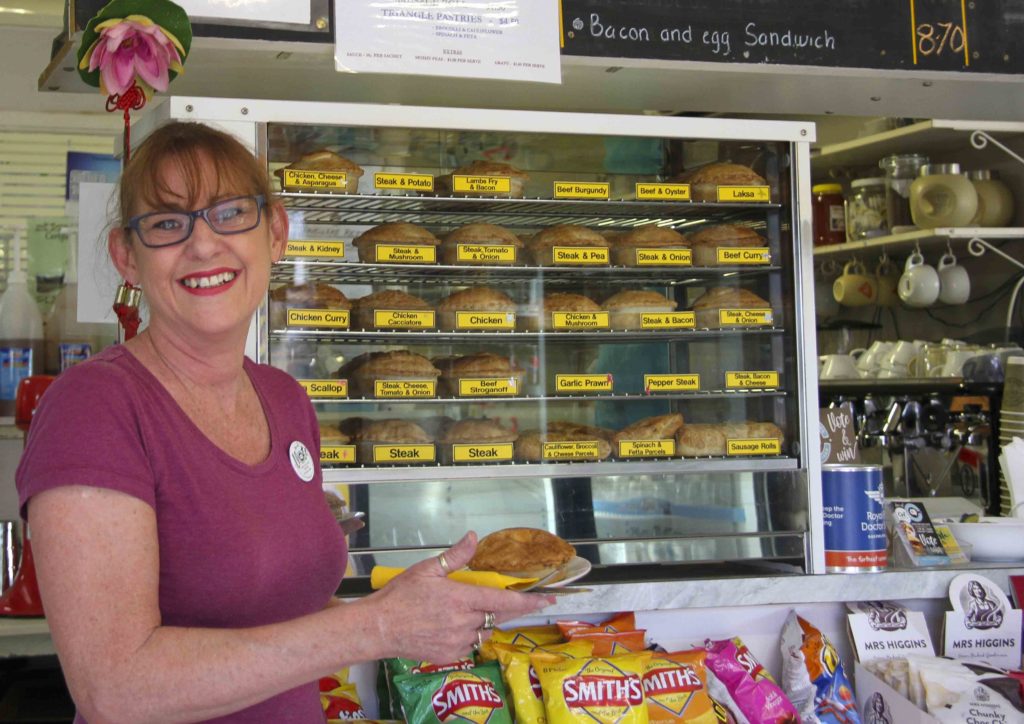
column 476, row 696
column 601, row 691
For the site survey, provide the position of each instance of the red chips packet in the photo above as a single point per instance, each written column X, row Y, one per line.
column 616, row 624
column 614, row 644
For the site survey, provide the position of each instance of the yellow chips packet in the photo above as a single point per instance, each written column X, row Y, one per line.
column 529, row 636
column 521, row 680
column 593, row 690
column 675, row 686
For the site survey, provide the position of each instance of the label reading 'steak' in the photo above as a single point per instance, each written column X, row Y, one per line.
column 325, row 389
column 470, row 453
column 337, row 454
column 322, row 318
column 311, row 248
column 404, row 453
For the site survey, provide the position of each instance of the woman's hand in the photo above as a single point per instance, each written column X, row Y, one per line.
column 422, row 615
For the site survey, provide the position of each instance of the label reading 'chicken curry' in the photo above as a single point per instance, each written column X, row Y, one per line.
column 582, row 190
column 403, row 181
column 501, row 321
column 404, row 453
column 337, row 454
column 668, row 320
column 647, row 448
column 577, row 255
column 664, row 257
column 578, row 450
column 584, row 383
column 403, row 319
column 404, row 388
column 579, row 320
column 475, row 453
column 488, row 387
column 326, row 318
column 671, row 383
column 315, row 179
column 742, row 194
column 752, row 255
column 406, row 254
column 662, row 192
column 744, row 317
column 485, row 253
column 314, row 248
column 490, row 185
column 754, row 446
column 325, row 389
column 766, row 380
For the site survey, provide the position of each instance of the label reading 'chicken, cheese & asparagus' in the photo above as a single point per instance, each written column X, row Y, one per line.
column 579, row 320
column 582, row 190
column 668, row 320
column 324, row 318
column 579, row 255
column 647, row 448
column 315, row 179
column 489, row 185
column 744, row 194
column 403, row 181
column 337, row 454
column 314, row 248
column 402, row 389
column 671, row 383
column 500, row 321
column 406, row 254
column 584, row 383
column 749, row 255
column 745, row 317
column 325, row 389
column 404, row 453
column 664, row 257
column 754, row 446
column 488, row 387
column 578, row 450
column 485, row 253
column 482, row 452
column 766, row 380
column 662, row 192
column 403, row 319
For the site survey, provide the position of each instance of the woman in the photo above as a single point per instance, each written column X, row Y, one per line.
column 185, row 552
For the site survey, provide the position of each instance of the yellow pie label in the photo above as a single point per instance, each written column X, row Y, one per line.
column 579, row 450
column 581, row 190
column 400, row 389
column 754, row 446
column 744, row 317
column 403, row 319
column 490, row 185
column 312, row 248
column 488, row 387
column 662, row 192
column 337, row 454
column 579, row 320
column 315, row 179
column 584, row 383
column 741, row 194
column 671, row 383
column 467, row 453
column 406, row 254
column 577, row 255
column 485, row 253
column 503, row 321
column 403, row 181
column 752, row 255
column 766, row 380
column 647, row 448
column 664, row 257
column 668, row 320
column 325, row 389
column 404, row 453
column 324, row 318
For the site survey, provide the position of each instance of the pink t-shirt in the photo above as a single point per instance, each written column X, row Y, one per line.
column 240, row 545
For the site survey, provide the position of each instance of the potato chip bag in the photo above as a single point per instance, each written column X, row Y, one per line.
column 614, row 644
column 675, row 686
column 593, row 690
column 531, row 636
column 341, row 702
column 618, row 622
column 521, row 680
column 397, row 666
column 813, row 676
column 475, row 696
column 739, row 681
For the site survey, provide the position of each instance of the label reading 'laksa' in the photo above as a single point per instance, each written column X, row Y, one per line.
column 324, row 318
column 325, row 389
column 741, row 194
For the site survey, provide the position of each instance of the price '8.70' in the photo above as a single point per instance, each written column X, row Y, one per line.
column 938, row 38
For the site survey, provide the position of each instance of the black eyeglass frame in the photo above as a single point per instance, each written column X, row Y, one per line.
column 133, row 222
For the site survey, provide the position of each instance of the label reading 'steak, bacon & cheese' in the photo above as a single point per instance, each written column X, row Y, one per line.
column 761, row 380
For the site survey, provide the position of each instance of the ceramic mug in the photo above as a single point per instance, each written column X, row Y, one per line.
column 887, row 279
column 838, row 366
column 872, row 358
column 919, row 285
column 901, row 355
column 855, row 288
column 955, row 358
column 954, row 282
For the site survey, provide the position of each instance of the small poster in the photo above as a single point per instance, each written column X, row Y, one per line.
column 914, row 540
column 983, row 625
column 838, row 439
column 887, row 630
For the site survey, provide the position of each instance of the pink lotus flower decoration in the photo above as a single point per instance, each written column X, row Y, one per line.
column 133, row 48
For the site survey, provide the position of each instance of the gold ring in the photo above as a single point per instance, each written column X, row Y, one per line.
column 488, row 620
column 444, row 563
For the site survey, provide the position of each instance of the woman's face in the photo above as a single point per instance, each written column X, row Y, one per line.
column 210, row 284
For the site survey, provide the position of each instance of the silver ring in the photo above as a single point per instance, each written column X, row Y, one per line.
column 479, row 639
column 444, row 563
column 488, row 620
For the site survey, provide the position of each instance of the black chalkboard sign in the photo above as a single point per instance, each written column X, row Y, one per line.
column 982, row 36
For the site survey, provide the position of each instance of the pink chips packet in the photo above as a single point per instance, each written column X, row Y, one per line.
column 750, row 687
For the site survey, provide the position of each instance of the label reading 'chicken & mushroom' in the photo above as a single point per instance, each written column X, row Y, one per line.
column 577, row 255
column 647, row 448
column 488, row 387
column 403, row 319
column 754, row 446
column 671, row 383
column 406, row 254
column 744, row 317
column 579, row 320
column 662, row 192
column 581, row 190
column 501, row 321
column 752, row 255
column 403, row 453
column 664, row 257
column 404, row 388
column 325, row 389
column 584, row 383
column 491, row 185
column 767, row 380
column 337, row 454
column 403, row 181
column 315, row 179
column 485, row 253
column 742, row 194
column 473, row 453
column 668, row 320
column 326, row 318
column 579, row 450
column 314, row 248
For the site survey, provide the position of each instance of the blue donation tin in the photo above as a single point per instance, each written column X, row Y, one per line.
column 854, row 512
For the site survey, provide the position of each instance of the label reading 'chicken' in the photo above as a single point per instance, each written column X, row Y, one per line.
column 501, row 321
column 337, row 454
column 490, row 185
column 312, row 248
column 403, row 453
column 752, row 255
column 325, row 389
column 315, row 179
column 744, row 317
column 754, row 446
column 403, row 181
column 664, row 257
column 324, row 318
column 391, row 389
column 403, row 319
column 584, row 383
column 406, row 254
column 485, row 253
column 647, row 448
column 767, row 380
column 577, row 255
column 742, row 194
column 581, row 190
column 668, row 320
column 475, row 453
column 671, row 383
column 662, row 192
column 488, row 387
column 579, row 450
column 579, row 320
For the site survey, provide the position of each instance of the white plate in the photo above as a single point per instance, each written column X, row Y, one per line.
column 574, row 570
column 993, row 539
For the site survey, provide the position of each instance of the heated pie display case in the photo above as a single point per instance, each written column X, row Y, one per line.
column 587, row 323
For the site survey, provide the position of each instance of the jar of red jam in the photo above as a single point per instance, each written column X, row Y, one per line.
column 828, row 219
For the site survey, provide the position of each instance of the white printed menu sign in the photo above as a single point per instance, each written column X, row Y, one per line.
column 887, row 630
column 983, row 625
column 497, row 39
column 276, row 11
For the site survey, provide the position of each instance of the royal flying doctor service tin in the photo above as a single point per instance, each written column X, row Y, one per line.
column 854, row 512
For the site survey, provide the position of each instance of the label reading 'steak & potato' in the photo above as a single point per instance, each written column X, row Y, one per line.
column 403, row 181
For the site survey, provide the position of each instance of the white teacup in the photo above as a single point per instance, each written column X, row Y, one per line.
column 890, row 373
column 954, row 282
column 838, row 366
column 871, row 358
column 955, row 358
column 919, row 285
column 901, row 355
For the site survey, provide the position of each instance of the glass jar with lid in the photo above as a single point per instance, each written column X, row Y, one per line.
column 865, row 209
column 900, row 172
column 827, row 216
column 942, row 196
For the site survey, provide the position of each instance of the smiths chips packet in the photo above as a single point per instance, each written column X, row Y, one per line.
column 339, row 698
column 614, row 644
column 390, row 705
column 813, row 675
column 675, row 687
column 521, row 680
column 529, row 636
column 744, row 686
column 595, row 691
column 617, row 623
column 476, row 696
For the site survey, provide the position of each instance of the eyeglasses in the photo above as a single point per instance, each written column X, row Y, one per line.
column 167, row 228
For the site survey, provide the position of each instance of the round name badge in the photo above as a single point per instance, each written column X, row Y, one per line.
column 302, row 461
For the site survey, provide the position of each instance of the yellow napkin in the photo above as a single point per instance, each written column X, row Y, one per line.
column 380, row 575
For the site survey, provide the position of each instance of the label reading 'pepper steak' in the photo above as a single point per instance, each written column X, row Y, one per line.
column 403, row 453
column 668, row 320
column 662, row 192
column 490, row 185
column 325, row 318
column 502, row 321
column 312, row 248
column 485, row 253
column 671, row 383
column 584, row 383
column 315, row 179
column 664, row 257
column 403, row 181
column 325, row 389
column 405, row 388
column 741, row 194
column 744, row 317
column 403, row 319
column 579, row 320
column 469, row 453
column 767, row 380
column 754, row 446
column 647, row 448
column 337, row 454
column 405, row 254
column 488, row 387
column 752, row 255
